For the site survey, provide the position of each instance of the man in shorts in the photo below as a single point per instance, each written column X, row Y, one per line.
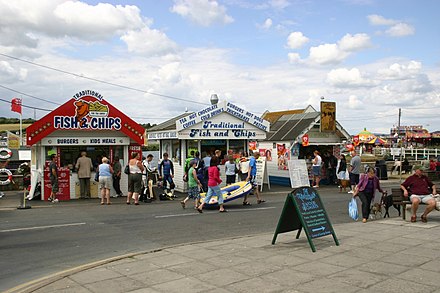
column 420, row 187
column 252, row 178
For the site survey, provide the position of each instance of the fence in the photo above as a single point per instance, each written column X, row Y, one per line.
column 409, row 153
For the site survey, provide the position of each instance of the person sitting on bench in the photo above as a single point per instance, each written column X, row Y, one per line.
column 420, row 187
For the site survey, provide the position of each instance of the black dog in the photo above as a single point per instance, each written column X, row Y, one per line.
column 387, row 202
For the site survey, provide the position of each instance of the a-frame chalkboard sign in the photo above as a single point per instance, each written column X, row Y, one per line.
column 303, row 208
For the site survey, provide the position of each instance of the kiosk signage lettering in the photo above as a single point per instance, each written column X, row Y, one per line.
column 214, row 110
column 303, row 208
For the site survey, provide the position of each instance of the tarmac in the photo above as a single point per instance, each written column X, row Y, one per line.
column 382, row 255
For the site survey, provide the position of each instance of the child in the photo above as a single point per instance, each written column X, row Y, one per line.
column 193, row 185
column 230, row 168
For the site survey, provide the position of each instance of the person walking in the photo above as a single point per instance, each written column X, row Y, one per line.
column 354, row 170
column 230, row 170
column 134, row 178
column 342, row 169
column 194, row 185
column 105, row 180
column 166, row 173
column 252, row 178
column 367, row 186
column 117, row 171
column 53, row 176
column 213, row 185
column 316, row 168
column 84, row 167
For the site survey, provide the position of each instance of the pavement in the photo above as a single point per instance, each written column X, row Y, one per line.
column 382, row 255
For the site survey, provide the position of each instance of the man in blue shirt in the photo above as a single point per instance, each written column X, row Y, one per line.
column 166, row 172
column 252, row 178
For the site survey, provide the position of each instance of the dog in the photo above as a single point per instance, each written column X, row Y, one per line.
column 376, row 209
column 387, row 202
column 344, row 184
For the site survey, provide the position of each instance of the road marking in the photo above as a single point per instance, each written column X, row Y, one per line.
column 195, row 214
column 41, row 227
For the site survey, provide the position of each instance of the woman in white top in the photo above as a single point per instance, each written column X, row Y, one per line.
column 230, row 168
column 316, row 168
column 135, row 178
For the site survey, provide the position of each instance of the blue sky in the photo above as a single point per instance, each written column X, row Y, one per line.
column 371, row 57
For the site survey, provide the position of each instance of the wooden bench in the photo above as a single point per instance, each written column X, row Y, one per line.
column 400, row 200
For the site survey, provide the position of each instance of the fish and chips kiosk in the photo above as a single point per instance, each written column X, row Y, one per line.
column 87, row 122
column 221, row 126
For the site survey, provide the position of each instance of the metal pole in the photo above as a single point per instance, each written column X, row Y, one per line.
column 401, row 147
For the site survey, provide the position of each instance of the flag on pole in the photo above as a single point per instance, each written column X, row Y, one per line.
column 16, row 105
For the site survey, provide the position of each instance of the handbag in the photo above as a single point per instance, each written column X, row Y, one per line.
column 127, row 170
column 353, row 209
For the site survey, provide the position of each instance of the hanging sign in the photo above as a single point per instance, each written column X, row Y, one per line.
column 303, row 209
column 305, row 140
column 63, row 183
column 221, row 107
column 356, row 140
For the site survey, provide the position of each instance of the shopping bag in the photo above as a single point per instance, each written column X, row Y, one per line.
column 353, row 209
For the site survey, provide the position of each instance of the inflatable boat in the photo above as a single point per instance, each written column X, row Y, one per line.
column 230, row 192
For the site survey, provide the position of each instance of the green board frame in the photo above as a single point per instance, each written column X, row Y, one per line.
column 303, row 209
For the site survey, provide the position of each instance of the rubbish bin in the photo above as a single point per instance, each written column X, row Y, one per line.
column 381, row 170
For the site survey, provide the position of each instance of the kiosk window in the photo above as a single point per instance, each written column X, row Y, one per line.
column 237, row 146
column 211, row 145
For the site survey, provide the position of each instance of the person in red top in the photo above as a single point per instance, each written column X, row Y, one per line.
column 213, row 185
column 419, row 185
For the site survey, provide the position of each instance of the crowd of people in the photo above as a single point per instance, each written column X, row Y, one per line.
column 201, row 174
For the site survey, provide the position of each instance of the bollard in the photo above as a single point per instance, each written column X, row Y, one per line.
column 23, row 205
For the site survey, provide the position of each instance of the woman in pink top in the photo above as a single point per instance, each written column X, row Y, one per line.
column 213, row 185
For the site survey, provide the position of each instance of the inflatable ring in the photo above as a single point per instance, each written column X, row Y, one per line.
column 7, row 181
column 8, row 153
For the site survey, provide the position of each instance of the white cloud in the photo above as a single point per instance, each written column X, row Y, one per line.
column 398, row 71
column 202, row 12
column 25, row 21
column 375, row 19
column 296, row 40
column 357, row 42
column 327, row 54
column 343, row 77
column 279, row 4
column 354, row 102
column 396, row 28
column 400, row 30
column 9, row 72
column 294, row 58
column 267, row 24
column 148, row 42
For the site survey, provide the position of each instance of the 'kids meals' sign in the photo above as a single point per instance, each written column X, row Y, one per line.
column 86, row 110
column 214, row 110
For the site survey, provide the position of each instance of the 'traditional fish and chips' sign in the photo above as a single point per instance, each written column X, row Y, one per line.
column 86, row 110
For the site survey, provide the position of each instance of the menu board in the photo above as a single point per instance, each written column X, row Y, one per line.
column 63, row 184
column 303, row 209
column 299, row 176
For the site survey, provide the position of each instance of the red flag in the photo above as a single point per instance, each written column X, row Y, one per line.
column 16, row 105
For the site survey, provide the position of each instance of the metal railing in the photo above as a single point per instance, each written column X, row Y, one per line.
column 413, row 153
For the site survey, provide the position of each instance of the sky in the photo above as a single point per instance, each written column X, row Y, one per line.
column 154, row 60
